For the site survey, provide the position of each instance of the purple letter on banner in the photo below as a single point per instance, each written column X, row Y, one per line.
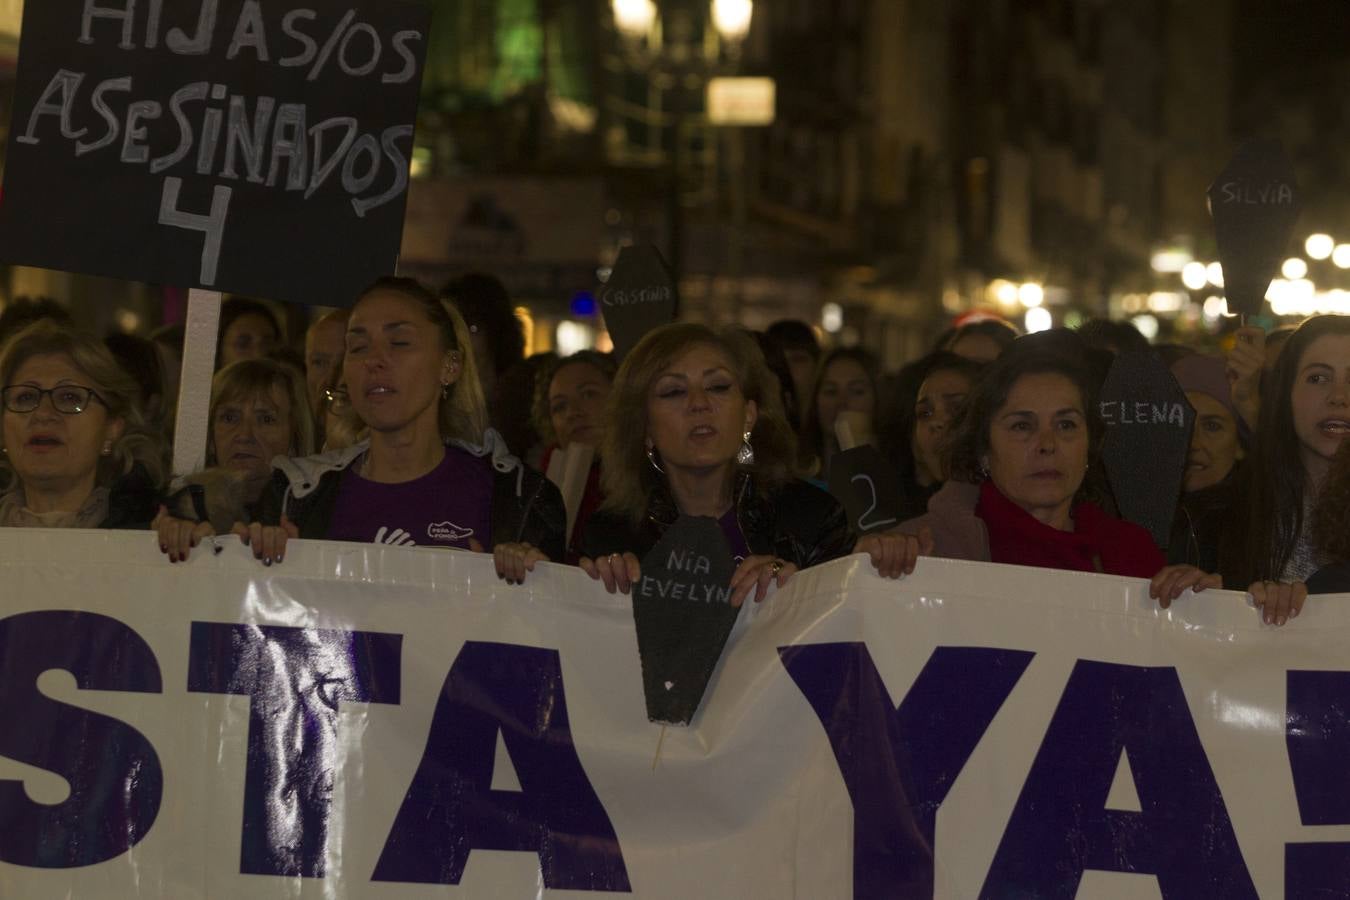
column 1317, row 735
column 899, row 765
column 114, row 774
column 451, row 809
column 294, row 679
column 1061, row 825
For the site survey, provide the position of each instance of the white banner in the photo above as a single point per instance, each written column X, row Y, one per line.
column 377, row 722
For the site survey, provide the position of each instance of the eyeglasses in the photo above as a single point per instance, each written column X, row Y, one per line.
column 68, row 399
column 338, row 399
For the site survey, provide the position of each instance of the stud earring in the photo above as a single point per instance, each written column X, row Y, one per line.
column 445, row 391
column 107, row 448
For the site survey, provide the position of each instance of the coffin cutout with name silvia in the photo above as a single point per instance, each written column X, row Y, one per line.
column 1255, row 204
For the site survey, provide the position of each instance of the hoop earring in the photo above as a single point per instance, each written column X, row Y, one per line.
column 651, row 458
column 746, row 455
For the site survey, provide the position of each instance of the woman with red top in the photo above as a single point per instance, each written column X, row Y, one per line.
column 569, row 410
column 1019, row 457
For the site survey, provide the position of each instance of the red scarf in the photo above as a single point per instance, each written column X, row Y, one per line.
column 1098, row 543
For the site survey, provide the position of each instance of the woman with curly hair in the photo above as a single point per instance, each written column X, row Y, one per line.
column 75, row 451
column 696, row 428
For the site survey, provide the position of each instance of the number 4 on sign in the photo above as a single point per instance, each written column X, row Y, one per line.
column 212, row 226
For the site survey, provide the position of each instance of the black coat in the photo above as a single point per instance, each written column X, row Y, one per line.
column 796, row 522
column 1332, row 579
column 133, row 502
column 1198, row 528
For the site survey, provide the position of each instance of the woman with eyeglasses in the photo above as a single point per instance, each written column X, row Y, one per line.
column 429, row 472
column 75, row 451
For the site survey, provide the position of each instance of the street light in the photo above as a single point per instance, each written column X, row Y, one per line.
column 731, row 18
column 634, row 17
column 675, row 58
column 1294, row 268
column 1341, row 256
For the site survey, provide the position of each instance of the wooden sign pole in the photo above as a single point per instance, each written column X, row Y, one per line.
column 194, row 392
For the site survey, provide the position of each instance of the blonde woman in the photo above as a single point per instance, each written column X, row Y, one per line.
column 259, row 412
column 704, row 434
column 75, row 451
column 430, row 472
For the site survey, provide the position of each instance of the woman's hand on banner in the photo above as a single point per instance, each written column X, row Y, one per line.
column 1173, row 581
column 618, row 571
column 1279, row 601
column 756, row 573
column 267, row 541
column 512, row 560
column 893, row 553
column 177, row 536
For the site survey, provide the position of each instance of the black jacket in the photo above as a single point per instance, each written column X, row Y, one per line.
column 133, row 501
column 1332, row 579
column 526, row 507
column 797, row 522
column 1198, row 528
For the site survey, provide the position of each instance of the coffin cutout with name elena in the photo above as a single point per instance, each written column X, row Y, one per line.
column 683, row 614
column 1148, row 439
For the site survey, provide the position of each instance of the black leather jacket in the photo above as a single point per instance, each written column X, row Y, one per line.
column 797, row 522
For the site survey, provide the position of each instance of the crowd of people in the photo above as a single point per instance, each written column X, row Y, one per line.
column 414, row 419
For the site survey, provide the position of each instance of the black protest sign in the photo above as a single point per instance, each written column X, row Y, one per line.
column 639, row 296
column 868, row 486
column 1148, row 440
column 233, row 145
column 683, row 612
column 1255, row 203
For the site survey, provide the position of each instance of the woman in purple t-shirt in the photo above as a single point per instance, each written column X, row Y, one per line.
column 430, row 472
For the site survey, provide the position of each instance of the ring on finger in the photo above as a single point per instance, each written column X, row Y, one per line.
column 775, row 567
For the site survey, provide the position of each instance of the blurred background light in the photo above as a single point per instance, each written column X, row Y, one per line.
column 1194, row 276
column 1214, row 274
column 1039, row 319
column 1319, row 246
column 1031, row 295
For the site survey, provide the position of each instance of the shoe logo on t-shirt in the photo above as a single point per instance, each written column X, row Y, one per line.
column 448, row 532
column 396, row 538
